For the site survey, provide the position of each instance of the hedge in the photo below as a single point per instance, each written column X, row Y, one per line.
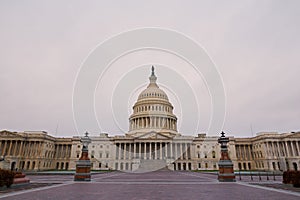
column 292, row 177
column 6, row 178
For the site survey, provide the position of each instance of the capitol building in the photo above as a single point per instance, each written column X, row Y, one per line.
column 151, row 143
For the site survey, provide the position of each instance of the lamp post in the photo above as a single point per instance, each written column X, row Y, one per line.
column 83, row 165
column 226, row 172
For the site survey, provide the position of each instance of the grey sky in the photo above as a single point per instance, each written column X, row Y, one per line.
column 255, row 45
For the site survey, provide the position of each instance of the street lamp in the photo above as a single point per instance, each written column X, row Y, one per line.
column 83, row 165
column 226, row 172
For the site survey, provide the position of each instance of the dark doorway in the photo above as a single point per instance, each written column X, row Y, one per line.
column 13, row 166
column 295, row 166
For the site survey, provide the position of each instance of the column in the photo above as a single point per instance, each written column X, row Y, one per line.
column 129, row 153
column 292, row 148
column 287, row 149
column 134, row 150
column 171, row 150
column 279, row 149
column 150, row 151
column 155, row 150
column 120, row 151
column 9, row 149
column 15, row 148
column 250, row 154
column 125, row 151
column 188, row 151
column 183, row 151
column 145, row 150
column 273, row 149
column 21, row 147
column 160, row 153
column 298, row 150
column 166, row 150
column 180, row 150
column 140, row 150
column 284, row 148
column 176, row 150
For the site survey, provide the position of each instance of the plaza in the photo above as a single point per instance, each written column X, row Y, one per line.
column 163, row 184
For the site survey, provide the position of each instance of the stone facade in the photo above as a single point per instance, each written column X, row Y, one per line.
column 268, row 151
column 35, row 150
column 151, row 143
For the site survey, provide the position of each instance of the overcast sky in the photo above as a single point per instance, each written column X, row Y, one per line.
column 254, row 44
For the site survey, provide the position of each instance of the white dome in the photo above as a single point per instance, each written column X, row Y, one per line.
column 152, row 111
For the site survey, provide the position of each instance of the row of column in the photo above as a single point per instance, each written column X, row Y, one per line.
column 282, row 148
column 272, row 149
column 244, row 152
column 31, row 149
column 63, row 151
column 20, row 148
column 153, row 122
column 153, row 150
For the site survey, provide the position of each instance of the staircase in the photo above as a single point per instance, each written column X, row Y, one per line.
column 151, row 165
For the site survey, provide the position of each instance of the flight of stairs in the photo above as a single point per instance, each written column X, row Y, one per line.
column 151, row 165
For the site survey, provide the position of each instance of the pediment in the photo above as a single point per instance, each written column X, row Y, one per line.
column 294, row 135
column 6, row 133
column 153, row 135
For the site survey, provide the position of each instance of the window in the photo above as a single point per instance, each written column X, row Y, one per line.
column 213, row 154
column 77, row 155
column 199, row 165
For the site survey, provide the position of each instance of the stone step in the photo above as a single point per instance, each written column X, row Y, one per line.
column 151, row 165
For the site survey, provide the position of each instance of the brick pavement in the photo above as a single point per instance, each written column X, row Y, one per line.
column 153, row 185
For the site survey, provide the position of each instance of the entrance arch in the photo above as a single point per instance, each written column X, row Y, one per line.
column 13, row 166
column 295, row 166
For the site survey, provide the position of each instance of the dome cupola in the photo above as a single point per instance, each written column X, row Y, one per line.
column 152, row 111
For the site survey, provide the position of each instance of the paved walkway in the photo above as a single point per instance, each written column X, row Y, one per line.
column 154, row 185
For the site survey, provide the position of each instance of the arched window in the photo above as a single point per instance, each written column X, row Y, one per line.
column 213, row 154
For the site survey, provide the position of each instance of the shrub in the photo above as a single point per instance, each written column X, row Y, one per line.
column 292, row 177
column 6, row 178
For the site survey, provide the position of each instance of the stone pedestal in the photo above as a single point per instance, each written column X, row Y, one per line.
column 226, row 172
column 20, row 178
column 83, row 165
